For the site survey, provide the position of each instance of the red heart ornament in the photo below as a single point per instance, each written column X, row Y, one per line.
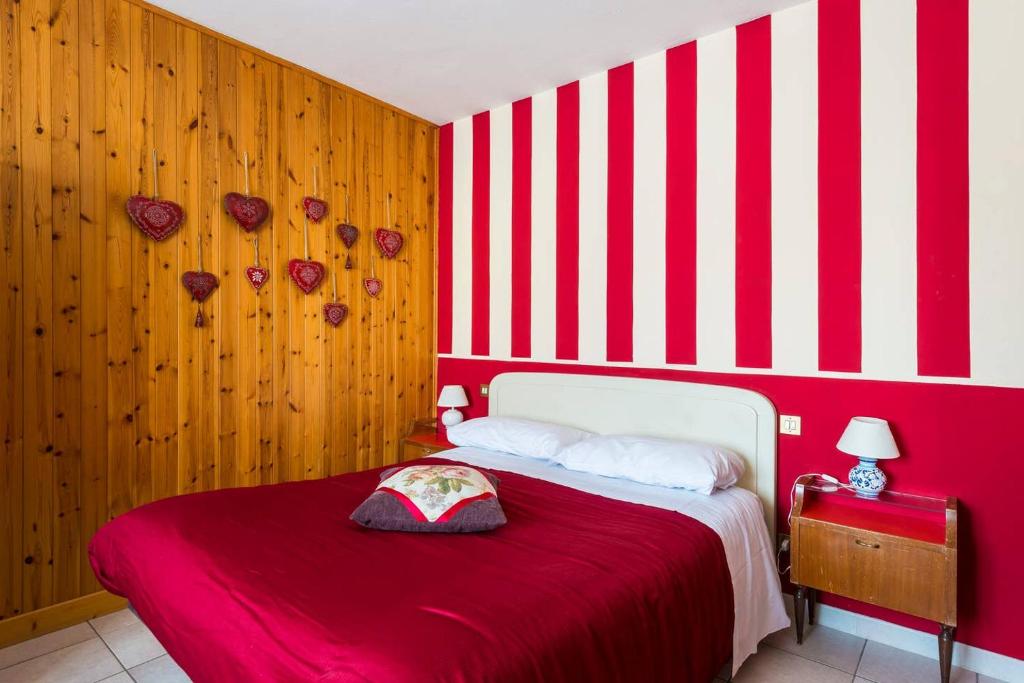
column 335, row 313
column 373, row 286
column 306, row 274
column 199, row 283
column 256, row 276
column 315, row 208
column 155, row 217
column 348, row 234
column 389, row 241
column 248, row 212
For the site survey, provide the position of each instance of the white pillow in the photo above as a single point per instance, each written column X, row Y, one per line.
column 689, row 465
column 514, row 435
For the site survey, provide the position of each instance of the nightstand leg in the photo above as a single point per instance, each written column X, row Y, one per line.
column 812, row 604
column 799, row 600
column 945, row 651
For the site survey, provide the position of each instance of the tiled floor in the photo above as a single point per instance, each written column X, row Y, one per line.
column 118, row 648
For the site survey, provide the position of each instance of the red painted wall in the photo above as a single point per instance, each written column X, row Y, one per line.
column 956, row 440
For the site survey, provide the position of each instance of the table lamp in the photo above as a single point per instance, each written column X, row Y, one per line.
column 452, row 397
column 870, row 439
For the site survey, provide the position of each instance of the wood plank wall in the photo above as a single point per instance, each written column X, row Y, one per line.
column 111, row 397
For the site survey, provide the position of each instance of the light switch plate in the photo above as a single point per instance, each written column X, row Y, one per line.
column 789, row 424
column 484, row 390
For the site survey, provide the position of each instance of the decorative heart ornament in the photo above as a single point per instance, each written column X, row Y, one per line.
column 256, row 276
column 315, row 208
column 306, row 274
column 157, row 218
column 248, row 212
column 335, row 313
column 199, row 283
column 389, row 241
column 348, row 234
column 373, row 286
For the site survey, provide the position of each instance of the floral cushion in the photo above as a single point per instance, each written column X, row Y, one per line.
column 444, row 497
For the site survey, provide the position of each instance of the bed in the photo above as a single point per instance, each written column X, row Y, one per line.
column 591, row 579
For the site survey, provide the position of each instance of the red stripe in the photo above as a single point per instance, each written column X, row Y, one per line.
column 481, row 234
column 567, row 224
column 754, row 194
column 620, row 214
column 681, row 205
column 943, row 295
column 444, row 240
column 839, row 225
column 522, row 146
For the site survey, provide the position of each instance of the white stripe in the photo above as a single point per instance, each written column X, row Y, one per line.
column 542, row 238
column 795, row 189
column 462, row 235
column 649, row 209
column 716, row 201
column 889, row 188
column 501, row 232
column 593, row 217
column 997, row 202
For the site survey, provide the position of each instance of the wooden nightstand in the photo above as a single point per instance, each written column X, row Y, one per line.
column 897, row 551
column 422, row 440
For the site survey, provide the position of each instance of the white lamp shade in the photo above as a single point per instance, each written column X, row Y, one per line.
column 868, row 437
column 452, row 396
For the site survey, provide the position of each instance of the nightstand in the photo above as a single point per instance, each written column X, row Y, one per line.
column 897, row 551
column 422, row 440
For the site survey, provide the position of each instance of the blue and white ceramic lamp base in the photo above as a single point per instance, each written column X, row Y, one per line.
column 867, row 479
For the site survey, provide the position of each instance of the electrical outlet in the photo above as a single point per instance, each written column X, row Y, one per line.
column 789, row 424
column 485, row 390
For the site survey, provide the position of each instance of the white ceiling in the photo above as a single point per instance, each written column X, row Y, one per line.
column 445, row 59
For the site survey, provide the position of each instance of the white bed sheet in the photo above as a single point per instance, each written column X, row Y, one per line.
column 735, row 514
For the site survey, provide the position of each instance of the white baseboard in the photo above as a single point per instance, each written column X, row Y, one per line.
column 976, row 659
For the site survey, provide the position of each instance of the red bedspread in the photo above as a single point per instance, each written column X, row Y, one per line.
column 275, row 583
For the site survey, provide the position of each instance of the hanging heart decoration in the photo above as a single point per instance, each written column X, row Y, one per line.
column 306, row 273
column 334, row 312
column 157, row 218
column 348, row 234
column 199, row 283
column 256, row 276
column 315, row 208
column 248, row 212
column 373, row 286
column 388, row 241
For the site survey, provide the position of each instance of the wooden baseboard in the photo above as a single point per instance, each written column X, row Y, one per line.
column 55, row 617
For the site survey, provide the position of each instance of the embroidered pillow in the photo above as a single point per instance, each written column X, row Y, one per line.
column 434, row 498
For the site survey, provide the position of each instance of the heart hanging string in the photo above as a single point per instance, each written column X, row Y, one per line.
column 335, row 312
column 199, row 283
column 306, row 273
column 256, row 274
column 154, row 216
column 315, row 208
column 372, row 284
column 248, row 211
column 388, row 241
column 348, row 234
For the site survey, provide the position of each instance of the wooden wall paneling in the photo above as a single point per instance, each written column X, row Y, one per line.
column 165, row 278
column 11, row 310
column 247, row 393
column 143, row 253
column 294, row 386
column 424, row 267
column 339, row 338
column 120, row 432
column 93, row 328
column 362, row 137
column 379, row 306
column 189, row 340
column 391, row 143
column 223, row 262
column 67, row 299
column 283, row 291
column 37, row 328
column 209, row 208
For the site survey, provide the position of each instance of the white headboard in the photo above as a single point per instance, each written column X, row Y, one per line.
column 741, row 420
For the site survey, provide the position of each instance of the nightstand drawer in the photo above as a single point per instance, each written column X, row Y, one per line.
column 898, row 573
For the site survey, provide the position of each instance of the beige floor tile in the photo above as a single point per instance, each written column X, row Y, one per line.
column 41, row 645
column 133, row 644
column 770, row 665
column 988, row 679
column 122, row 677
column 821, row 644
column 160, row 670
column 113, row 621
column 884, row 664
column 86, row 662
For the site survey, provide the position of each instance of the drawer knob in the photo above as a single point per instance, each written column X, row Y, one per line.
column 865, row 544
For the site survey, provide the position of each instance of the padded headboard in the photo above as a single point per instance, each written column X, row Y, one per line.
column 741, row 420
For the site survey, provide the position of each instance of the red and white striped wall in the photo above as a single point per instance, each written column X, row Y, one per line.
column 833, row 190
